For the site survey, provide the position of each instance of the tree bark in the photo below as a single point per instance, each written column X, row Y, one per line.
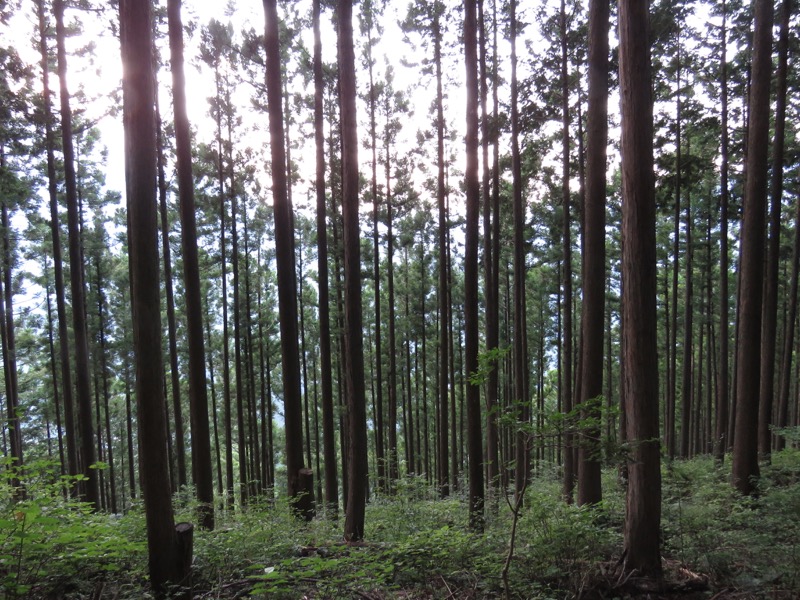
column 751, row 261
column 594, row 261
column 770, row 315
column 198, row 394
column 83, row 386
column 520, row 398
column 55, row 230
column 284, row 254
column 138, row 94
column 356, row 401
column 328, row 433
column 723, row 381
column 641, row 531
column 474, row 435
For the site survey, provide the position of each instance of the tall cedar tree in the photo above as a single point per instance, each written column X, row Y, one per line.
column 380, row 457
column 751, row 259
column 723, row 380
column 768, row 331
column 9, row 345
column 642, row 553
column 356, row 399
column 786, row 364
column 55, row 231
column 570, row 452
column 328, row 433
column 284, row 256
column 140, row 172
column 474, row 437
column 198, row 394
column 594, row 261
column 520, row 311
column 91, row 491
column 490, row 294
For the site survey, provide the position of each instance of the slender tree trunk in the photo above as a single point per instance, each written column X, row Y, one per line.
column 138, row 92
column 287, row 300
column 594, row 260
column 723, row 383
column 217, row 448
column 443, row 461
column 393, row 459
column 751, row 261
column 357, row 451
column 58, row 269
column 198, row 394
column 328, row 433
column 54, row 374
column 673, row 371
column 380, row 456
column 226, row 373
column 180, row 450
column 241, row 439
column 770, row 316
column 81, row 343
column 520, row 311
column 642, row 549
column 688, row 400
column 106, row 392
column 474, row 436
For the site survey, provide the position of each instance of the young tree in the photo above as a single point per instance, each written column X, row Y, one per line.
column 642, row 547
column 751, row 258
column 166, row 563
column 356, row 401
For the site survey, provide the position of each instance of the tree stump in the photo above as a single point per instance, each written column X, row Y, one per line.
column 304, row 505
column 184, row 545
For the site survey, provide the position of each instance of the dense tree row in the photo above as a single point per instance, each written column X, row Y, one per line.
column 596, row 264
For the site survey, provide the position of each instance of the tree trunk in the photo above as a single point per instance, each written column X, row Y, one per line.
column 474, row 435
column 138, row 92
column 770, row 315
column 642, row 549
column 520, row 398
column 444, row 478
column 356, row 404
column 198, row 393
column 83, row 386
column 328, row 433
column 751, row 261
column 723, row 382
column 166, row 255
column 284, row 254
column 594, row 261
column 55, row 229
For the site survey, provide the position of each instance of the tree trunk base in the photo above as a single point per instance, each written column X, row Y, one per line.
column 184, row 547
column 304, row 504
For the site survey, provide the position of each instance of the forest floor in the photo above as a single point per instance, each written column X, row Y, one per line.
column 715, row 545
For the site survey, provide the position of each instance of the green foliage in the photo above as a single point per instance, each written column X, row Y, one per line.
column 49, row 543
column 418, row 545
column 750, row 543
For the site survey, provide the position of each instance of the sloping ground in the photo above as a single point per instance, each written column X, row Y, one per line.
column 715, row 544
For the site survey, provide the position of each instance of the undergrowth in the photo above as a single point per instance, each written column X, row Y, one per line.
column 418, row 546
